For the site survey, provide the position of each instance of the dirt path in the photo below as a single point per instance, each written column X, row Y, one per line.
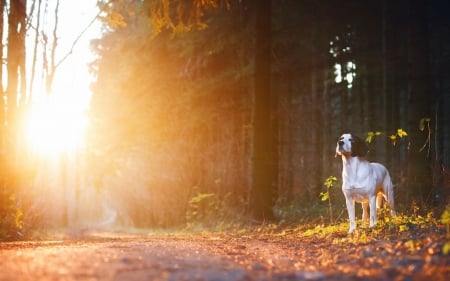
column 218, row 257
column 115, row 258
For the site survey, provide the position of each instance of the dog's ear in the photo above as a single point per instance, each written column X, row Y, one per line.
column 359, row 147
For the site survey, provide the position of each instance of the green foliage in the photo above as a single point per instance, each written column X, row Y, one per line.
column 446, row 248
column 422, row 123
column 209, row 210
column 201, row 206
column 176, row 16
column 445, row 219
column 398, row 135
column 371, row 135
column 329, row 183
column 322, row 231
column 11, row 217
column 324, row 196
column 386, row 227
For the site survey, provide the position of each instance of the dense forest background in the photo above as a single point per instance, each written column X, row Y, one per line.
column 175, row 102
column 204, row 111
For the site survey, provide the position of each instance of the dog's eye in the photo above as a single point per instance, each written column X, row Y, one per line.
column 351, row 140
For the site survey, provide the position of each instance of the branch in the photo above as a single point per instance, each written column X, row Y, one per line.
column 76, row 40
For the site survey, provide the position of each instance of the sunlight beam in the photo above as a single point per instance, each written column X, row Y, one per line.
column 55, row 126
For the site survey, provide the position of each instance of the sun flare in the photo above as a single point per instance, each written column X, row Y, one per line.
column 55, row 126
column 56, row 118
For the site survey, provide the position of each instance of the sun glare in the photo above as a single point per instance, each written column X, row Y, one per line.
column 56, row 121
column 55, row 126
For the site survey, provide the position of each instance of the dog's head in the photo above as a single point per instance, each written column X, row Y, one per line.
column 349, row 145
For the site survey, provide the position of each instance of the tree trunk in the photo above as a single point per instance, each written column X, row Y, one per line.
column 16, row 77
column 35, row 48
column 2, row 101
column 263, row 167
column 419, row 102
column 16, row 52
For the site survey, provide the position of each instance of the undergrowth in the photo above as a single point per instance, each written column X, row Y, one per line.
column 399, row 227
column 409, row 228
column 214, row 212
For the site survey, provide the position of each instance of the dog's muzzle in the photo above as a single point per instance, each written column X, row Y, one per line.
column 340, row 149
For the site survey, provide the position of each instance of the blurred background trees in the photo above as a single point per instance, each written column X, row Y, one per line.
column 217, row 109
column 12, row 75
column 179, row 94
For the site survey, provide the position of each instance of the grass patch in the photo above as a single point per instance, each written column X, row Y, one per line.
column 392, row 228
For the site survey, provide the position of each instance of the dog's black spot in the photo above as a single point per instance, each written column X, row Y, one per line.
column 359, row 147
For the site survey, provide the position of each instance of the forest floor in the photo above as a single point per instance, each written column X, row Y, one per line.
column 405, row 251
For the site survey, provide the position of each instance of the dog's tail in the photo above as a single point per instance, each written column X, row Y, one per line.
column 390, row 194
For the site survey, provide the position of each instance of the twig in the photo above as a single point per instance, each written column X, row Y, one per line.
column 75, row 42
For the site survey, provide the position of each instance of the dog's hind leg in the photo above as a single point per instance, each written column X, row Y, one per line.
column 373, row 210
column 380, row 196
column 390, row 200
column 365, row 209
column 389, row 195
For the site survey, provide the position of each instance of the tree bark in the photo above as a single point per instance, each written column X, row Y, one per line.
column 2, row 101
column 263, row 166
column 419, row 102
column 16, row 57
column 35, row 47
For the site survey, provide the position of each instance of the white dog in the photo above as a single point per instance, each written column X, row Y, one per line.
column 363, row 181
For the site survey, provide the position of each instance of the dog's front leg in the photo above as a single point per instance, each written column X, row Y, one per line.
column 373, row 210
column 351, row 214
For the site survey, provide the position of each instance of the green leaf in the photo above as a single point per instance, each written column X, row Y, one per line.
column 411, row 245
column 445, row 217
column 403, row 228
column 369, row 137
column 329, row 182
column 446, row 248
column 324, row 196
column 200, row 197
column 401, row 133
column 422, row 123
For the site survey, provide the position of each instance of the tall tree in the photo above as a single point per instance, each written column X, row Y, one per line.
column 2, row 101
column 15, row 90
column 419, row 98
column 169, row 98
column 16, row 56
column 264, row 168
